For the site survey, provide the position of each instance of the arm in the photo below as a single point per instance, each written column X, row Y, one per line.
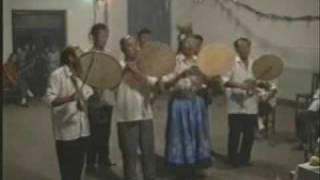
column 63, row 100
column 51, row 97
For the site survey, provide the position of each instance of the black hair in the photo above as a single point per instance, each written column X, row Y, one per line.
column 123, row 42
column 97, row 27
column 198, row 37
column 64, row 57
column 236, row 42
column 144, row 31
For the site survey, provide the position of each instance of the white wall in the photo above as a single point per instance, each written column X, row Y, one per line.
column 296, row 43
column 79, row 20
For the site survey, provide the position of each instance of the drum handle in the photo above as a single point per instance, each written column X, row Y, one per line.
column 88, row 71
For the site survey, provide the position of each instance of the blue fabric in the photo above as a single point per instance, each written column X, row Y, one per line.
column 187, row 133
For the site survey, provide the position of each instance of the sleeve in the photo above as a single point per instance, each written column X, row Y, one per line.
column 108, row 97
column 226, row 77
column 152, row 80
column 52, row 89
column 168, row 77
column 273, row 85
column 87, row 92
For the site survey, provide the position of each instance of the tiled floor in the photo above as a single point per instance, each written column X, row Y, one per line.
column 29, row 152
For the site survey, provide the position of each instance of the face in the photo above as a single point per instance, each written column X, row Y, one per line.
column 243, row 49
column 101, row 38
column 188, row 51
column 144, row 38
column 131, row 48
column 72, row 59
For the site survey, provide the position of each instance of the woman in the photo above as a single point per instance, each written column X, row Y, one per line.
column 187, row 146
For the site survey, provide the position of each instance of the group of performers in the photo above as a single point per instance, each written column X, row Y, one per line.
column 81, row 114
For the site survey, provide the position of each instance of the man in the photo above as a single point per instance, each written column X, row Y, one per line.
column 242, row 105
column 70, row 122
column 144, row 36
column 25, row 66
column 134, row 115
column 308, row 123
column 101, row 105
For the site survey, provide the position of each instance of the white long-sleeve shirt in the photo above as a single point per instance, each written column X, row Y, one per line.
column 69, row 122
column 239, row 102
column 130, row 104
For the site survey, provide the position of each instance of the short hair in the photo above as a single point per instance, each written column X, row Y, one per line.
column 236, row 42
column 123, row 42
column 144, row 31
column 198, row 37
column 64, row 57
column 97, row 27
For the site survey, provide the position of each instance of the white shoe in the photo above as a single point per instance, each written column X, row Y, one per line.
column 30, row 94
column 260, row 124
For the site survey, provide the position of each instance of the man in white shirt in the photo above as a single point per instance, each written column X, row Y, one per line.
column 242, row 105
column 70, row 122
column 134, row 115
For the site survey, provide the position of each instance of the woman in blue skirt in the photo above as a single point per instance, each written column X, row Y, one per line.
column 187, row 136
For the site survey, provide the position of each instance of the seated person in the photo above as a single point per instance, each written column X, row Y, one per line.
column 267, row 102
column 308, row 121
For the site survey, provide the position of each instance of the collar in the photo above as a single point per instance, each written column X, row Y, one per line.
column 67, row 71
column 183, row 58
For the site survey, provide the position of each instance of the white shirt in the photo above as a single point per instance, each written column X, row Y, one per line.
column 239, row 102
column 130, row 105
column 69, row 122
column 182, row 64
column 315, row 104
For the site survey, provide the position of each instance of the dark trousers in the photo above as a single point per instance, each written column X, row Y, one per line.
column 241, row 124
column 71, row 158
column 98, row 150
column 132, row 135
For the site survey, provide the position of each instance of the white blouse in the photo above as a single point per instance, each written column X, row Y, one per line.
column 186, row 83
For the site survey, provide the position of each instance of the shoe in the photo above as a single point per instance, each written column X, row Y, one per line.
column 248, row 164
column 30, row 94
column 91, row 169
column 24, row 102
column 298, row 147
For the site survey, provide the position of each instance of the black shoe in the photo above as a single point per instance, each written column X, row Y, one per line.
column 248, row 164
column 91, row 169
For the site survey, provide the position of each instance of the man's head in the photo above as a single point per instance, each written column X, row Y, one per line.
column 129, row 47
column 144, row 36
column 100, row 34
column 242, row 46
column 199, row 40
column 68, row 57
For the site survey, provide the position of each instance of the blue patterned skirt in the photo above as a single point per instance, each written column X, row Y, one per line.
column 187, row 136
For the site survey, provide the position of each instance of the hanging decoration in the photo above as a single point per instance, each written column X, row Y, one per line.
column 306, row 18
